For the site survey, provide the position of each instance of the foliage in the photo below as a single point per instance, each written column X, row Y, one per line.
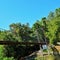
column 45, row 30
column 6, row 58
column 50, row 57
column 1, row 50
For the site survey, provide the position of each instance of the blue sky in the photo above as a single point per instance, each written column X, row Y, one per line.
column 14, row 11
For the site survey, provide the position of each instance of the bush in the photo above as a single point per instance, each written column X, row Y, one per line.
column 6, row 58
column 1, row 51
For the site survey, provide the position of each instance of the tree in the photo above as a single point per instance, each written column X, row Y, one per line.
column 53, row 28
column 51, row 16
column 57, row 12
column 18, row 32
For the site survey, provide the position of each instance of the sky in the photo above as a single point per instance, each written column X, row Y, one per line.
column 25, row 11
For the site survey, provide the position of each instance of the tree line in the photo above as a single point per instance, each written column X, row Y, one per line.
column 46, row 28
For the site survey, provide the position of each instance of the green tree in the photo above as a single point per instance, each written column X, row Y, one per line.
column 53, row 28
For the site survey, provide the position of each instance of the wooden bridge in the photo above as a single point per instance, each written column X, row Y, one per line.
column 21, row 43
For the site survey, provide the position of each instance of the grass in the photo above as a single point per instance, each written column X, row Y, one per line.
column 48, row 57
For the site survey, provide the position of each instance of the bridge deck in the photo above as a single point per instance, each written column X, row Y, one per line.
column 16, row 43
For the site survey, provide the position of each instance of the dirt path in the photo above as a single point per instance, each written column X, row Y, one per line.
column 56, row 53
